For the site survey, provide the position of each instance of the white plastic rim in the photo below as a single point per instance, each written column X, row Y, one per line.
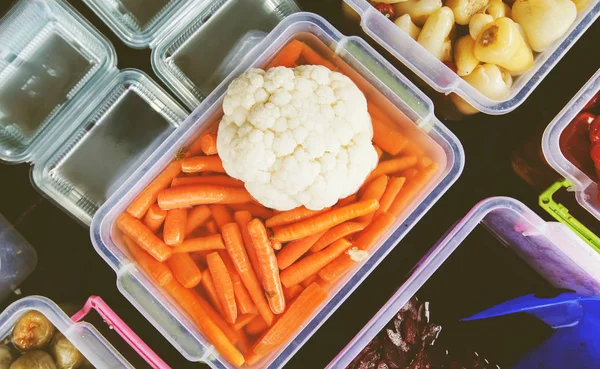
column 568, row 263
column 444, row 80
column 586, row 189
column 161, row 311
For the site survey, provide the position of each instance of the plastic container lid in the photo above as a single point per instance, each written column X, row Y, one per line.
column 444, row 80
column 550, row 248
column 65, row 106
column 17, row 258
column 383, row 80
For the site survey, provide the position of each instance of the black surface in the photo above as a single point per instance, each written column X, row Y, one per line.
column 69, row 269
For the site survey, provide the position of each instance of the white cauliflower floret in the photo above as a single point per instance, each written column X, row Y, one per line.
column 296, row 136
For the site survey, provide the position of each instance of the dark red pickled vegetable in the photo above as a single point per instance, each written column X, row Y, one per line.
column 595, row 130
column 575, row 143
column 593, row 102
column 385, row 9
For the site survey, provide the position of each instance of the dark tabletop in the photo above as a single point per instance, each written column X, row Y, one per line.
column 69, row 269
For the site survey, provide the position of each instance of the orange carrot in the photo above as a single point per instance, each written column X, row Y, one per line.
column 215, row 316
column 174, row 230
column 337, row 268
column 294, row 250
column 267, row 263
column 292, row 216
column 158, row 271
column 235, row 248
column 199, row 257
column 244, row 343
column 256, row 326
column 186, row 196
column 220, row 214
column 393, row 188
column 389, row 139
column 211, row 291
column 195, row 148
column 148, row 196
column 196, row 217
column 242, row 218
column 208, row 143
column 336, row 233
column 242, row 296
column 276, row 245
column 288, row 55
column 191, row 303
column 202, row 164
column 292, row 292
column 154, row 218
column 412, row 148
column 223, row 286
column 185, row 270
column 312, row 57
column 212, row 242
column 411, row 188
column 255, row 209
column 346, row 201
column 212, row 180
column 311, row 264
column 243, row 320
column 142, row 236
column 325, row 221
column 379, row 152
column 308, row 281
column 374, row 190
column 211, row 227
column 296, row 315
column 392, row 166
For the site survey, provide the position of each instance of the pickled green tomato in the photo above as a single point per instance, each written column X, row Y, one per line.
column 32, row 331
column 65, row 354
column 34, row 360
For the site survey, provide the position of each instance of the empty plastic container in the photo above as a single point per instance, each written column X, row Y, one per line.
column 584, row 186
column 195, row 43
column 17, row 258
column 444, row 80
column 67, row 109
column 379, row 80
column 550, row 249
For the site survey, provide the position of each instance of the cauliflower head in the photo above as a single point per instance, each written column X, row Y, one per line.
column 296, row 136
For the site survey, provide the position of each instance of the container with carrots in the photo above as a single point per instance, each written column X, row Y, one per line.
column 230, row 281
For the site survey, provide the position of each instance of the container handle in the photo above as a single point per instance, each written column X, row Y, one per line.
column 116, row 323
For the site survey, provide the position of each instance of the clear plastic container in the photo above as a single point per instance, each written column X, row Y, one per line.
column 444, row 80
column 560, row 257
column 195, row 43
column 66, row 108
column 380, row 80
column 17, row 258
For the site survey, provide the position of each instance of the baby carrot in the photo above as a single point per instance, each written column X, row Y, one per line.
column 216, row 317
column 242, row 218
column 374, row 190
column 295, row 249
column 308, row 281
column 292, row 292
column 242, row 297
column 174, row 230
column 185, row 270
column 298, row 312
column 211, row 227
column 388, row 138
column 212, row 242
column 208, row 143
column 202, row 164
column 276, row 245
column 154, row 218
column 367, row 238
column 190, row 302
column 223, row 286
column 288, row 56
column 393, row 188
column 346, row 201
column 336, row 233
column 411, row 188
column 213, row 180
column 211, row 291
column 195, row 148
column 267, row 262
column 312, row 57
column 196, row 217
column 243, row 320
column 256, row 326
column 311, row 264
column 412, row 148
column 337, row 268
column 235, row 248
column 392, row 166
column 325, row 221
column 255, row 209
column 292, row 216
column 221, row 215
column 142, row 236
column 158, row 271
column 148, row 196
column 186, row 196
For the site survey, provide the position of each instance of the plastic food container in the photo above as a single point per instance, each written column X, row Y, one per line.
column 560, row 258
column 67, row 109
column 99, row 352
column 585, row 188
column 444, row 80
column 195, row 43
column 17, row 258
column 384, row 80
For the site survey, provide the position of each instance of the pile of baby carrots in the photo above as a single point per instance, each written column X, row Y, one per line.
column 248, row 276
